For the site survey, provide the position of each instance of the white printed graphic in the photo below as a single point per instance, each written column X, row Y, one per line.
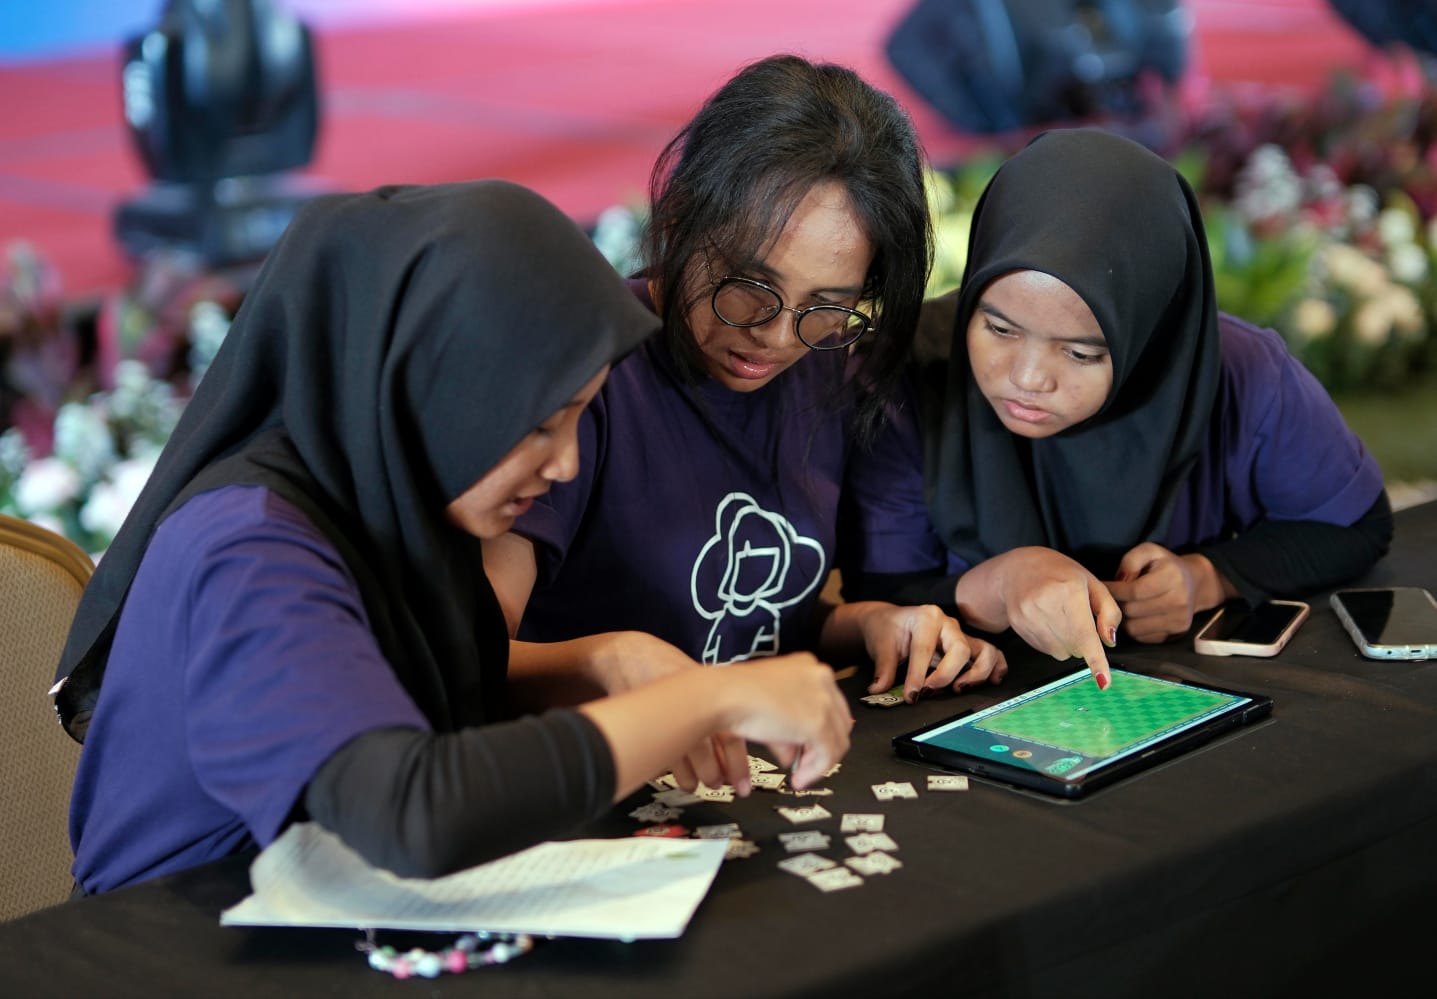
column 753, row 567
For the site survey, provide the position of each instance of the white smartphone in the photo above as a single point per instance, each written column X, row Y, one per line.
column 1263, row 630
column 1391, row 622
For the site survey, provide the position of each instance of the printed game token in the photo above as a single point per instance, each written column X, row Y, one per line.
column 805, row 864
column 861, row 822
column 725, row 830
column 740, row 849
column 887, row 699
column 947, row 782
column 894, row 789
column 874, row 863
column 655, row 811
column 669, row 830
column 810, row 813
column 834, row 879
column 720, row 794
column 808, row 839
column 868, row 842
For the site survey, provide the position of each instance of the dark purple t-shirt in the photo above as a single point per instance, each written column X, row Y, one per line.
column 701, row 515
column 241, row 611
column 1278, row 448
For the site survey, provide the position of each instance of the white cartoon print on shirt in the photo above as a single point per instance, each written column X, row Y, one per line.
column 753, row 567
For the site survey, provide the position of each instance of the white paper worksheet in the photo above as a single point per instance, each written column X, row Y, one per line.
column 633, row 888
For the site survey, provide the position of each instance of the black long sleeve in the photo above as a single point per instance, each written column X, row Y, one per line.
column 1275, row 558
column 422, row 804
column 1280, row 558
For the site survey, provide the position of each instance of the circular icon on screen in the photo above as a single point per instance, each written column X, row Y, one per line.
column 997, row 748
column 1022, row 754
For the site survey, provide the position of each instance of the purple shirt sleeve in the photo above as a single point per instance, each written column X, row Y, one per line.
column 1280, row 449
column 278, row 680
column 886, row 523
column 242, row 661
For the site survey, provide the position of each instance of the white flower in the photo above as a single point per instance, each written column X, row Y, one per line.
column 1314, row 318
column 1372, row 322
column 46, row 484
column 82, row 438
column 1354, row 270
column 1267, row 185
column 1362, row 204
column 1267, row 162
column 1405, row 311
column 14, row 454
column 140, row 406
column 1408, row 262
column 131, row 380
column 146, row 452
column 111, row 500
column 208, row 325
column 1395, row 227
column 1323, row 183
column 616, row 234
column 49, row 522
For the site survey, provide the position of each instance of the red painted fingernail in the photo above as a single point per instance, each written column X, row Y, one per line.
column 1103, row 681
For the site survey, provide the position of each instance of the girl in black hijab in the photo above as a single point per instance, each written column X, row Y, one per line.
column 295, row 621
column 1097, row 418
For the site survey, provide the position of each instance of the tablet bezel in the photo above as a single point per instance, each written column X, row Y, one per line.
column 1253, row 708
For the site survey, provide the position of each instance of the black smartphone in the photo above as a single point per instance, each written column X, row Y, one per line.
column 1391, row 622
column 1236, row 630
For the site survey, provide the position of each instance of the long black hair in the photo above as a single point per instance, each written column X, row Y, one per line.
column 732, row 177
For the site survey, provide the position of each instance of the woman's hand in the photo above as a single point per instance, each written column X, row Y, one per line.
column 625, row 660
column 788, row 695
column 1159, row 591
column 1051, row 601
column 792, row 705
column 939, row 654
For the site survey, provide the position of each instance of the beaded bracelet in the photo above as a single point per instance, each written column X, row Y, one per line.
column 472, row 950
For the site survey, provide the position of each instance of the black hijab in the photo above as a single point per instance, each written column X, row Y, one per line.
column 393, row 348
column 1122, row 228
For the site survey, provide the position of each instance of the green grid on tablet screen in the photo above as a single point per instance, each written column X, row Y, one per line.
column 1081, row 718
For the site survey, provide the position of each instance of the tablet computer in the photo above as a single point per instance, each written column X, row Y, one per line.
column 1068, row 738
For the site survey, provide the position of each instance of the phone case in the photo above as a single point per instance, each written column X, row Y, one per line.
column 1209, row 646
column 1412, row 647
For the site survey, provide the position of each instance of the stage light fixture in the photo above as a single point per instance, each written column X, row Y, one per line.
column 221, row 101
column 991, row 66
column 1384, row 23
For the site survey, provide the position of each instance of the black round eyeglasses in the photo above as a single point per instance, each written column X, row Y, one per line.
column 744, row 302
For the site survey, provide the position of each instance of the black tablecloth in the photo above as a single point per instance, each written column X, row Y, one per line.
column 1292, row 857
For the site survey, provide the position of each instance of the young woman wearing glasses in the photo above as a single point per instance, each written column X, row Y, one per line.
column 787, row 249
